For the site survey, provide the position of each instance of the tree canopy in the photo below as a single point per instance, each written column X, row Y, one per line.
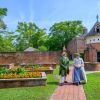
column 30, row 35
column 61, row 33
column 3, row 12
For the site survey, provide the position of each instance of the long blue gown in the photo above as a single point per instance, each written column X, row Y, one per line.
column 77, row 77
column 78, row 72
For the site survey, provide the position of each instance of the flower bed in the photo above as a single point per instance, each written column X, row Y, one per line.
column 41, row 65
column 38, row 68
column 25, row 75
column 53, row 65
column 23, row 82
column 49, row 65
column 47, row 70
column 19, row 78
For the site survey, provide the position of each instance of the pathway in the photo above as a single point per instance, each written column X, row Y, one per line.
column 69, row 91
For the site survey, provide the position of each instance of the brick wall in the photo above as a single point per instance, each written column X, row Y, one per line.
column 76, row 45
column 29, row 58
column 92, row 66
column 91, row 52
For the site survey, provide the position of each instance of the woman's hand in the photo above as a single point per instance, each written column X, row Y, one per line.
column 78, row 65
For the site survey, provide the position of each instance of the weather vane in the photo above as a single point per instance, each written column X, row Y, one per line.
column 97, row 17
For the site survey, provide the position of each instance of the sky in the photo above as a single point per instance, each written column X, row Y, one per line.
column 45, row 13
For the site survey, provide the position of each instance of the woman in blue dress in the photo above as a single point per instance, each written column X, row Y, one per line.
column 79, row 75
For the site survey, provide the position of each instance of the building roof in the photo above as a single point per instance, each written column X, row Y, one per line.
column 31, row 49
column 93, row 30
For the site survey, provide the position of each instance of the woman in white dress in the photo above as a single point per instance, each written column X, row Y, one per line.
column 79, row 75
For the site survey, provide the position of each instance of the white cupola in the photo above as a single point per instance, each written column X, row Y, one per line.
column 94, row 35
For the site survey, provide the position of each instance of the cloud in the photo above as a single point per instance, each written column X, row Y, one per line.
column 32, row 11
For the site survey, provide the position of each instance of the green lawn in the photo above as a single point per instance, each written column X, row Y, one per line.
column 31, row 93
column 71, row 62
column 92, row 88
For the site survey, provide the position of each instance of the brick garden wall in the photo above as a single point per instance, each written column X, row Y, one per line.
column 29, row 58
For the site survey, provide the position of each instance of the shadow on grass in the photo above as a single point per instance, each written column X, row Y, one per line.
column 52, row 83
column 57, row 83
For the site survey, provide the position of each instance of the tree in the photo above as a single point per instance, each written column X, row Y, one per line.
column 61, row 33
column 42, row 48
column 29, row 35
column 6, row 39
column 3, row 12
column 6, row 45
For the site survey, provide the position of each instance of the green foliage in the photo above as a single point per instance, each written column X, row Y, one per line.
column 20, row 70
column 33, row 66
column 29, row 35
column 36, row 66
column 6, row 44
column 3, row 12
column 42, row 48
column 12, row 71
column 2, row 26
column 4, row 70
column 61, row 33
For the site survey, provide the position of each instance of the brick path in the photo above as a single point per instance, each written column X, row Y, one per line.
column 69, row 91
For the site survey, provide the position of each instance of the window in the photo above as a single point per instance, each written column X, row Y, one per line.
column 97, row 29
column 98, row 56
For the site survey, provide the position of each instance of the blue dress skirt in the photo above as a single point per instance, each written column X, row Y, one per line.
column 77, row 75
column 84, row 75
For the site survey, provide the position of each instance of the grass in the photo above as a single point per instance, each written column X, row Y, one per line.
column 71, row 62
column 92, row 88
column 32, row 93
